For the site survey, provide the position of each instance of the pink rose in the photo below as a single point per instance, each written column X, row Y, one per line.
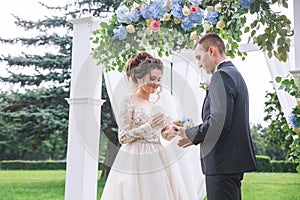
column 155, row 25
column 194, row 9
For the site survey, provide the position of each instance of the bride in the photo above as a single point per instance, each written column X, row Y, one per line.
column 144, row 168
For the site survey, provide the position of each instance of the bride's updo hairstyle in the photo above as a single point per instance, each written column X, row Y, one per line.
column 140, row 65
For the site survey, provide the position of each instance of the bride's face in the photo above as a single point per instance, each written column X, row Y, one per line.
column 152, row 81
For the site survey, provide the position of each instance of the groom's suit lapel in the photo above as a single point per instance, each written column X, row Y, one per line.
column 205, row 106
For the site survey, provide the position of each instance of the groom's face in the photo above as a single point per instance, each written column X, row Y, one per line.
column 204, row 59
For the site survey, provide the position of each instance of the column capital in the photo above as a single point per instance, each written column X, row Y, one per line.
column 85, row 100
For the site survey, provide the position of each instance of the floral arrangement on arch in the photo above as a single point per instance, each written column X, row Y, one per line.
column 174, row 25
column 184, row 122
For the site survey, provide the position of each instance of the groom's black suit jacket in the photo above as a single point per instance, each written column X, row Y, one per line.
column 226, row 145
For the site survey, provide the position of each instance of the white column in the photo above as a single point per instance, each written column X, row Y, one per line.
column 297, row 33
column 296, row 71
column 84, row 116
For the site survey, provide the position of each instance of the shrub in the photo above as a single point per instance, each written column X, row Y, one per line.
column 33, row 165
column 263, row 163
column 283, row 166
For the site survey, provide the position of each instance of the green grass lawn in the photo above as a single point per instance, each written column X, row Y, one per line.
column 49, row 185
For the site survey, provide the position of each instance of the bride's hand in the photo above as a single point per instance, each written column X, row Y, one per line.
column 157, row 120
column 168, row 133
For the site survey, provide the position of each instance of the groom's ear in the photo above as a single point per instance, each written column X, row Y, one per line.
column 210, row 50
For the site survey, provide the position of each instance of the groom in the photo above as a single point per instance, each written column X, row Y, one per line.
column 226, row 146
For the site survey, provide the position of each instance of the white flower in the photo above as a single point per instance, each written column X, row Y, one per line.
column 139, row 33
column 218, row 7
column 188, row 124
column 207, row 26
column 130, row 28
column 135, row 5
column 221, row 24
column 127, row 46
column 148, row 31
column 210, row 8
column 168, row 5
column 176, row 21
column 186, row 11
column 166, row 17
column 179, row 41
column 194, row 36
column 148, row 22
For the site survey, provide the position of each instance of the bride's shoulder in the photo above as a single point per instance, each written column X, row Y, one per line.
column 130, row 99
column 128, row 102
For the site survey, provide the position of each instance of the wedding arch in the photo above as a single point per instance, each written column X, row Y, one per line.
column 85, row 96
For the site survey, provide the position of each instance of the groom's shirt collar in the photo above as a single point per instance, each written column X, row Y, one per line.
column 224, row 61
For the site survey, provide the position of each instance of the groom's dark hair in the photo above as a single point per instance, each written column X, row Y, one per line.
column 211, row 39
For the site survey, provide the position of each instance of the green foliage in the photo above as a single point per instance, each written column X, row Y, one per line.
column 275, row 136
column 258, row 140
column 263, row 163
column 35, row 165
column 34, row 125
column 275, row 38
column 262, row 147
column 283, row 166
column 32, row 165
column 289, row 85
column 34, row 118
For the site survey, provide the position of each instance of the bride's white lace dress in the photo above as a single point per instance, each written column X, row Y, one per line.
column 144, row 169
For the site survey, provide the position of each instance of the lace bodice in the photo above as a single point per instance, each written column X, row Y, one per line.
column 134, row 121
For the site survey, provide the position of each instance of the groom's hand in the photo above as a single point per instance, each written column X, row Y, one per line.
column 184, row 142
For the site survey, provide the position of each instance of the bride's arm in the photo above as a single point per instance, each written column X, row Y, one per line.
column 127, row 133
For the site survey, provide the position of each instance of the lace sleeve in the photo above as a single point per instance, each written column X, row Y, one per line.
column 167, row 133
column 128, row 133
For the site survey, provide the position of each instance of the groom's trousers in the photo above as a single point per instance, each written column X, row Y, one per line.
column 224, row 187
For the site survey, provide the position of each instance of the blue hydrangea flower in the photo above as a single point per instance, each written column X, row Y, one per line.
column 246, row 3
column 196, row 18
column 122, row 13
column 195, row 2
column 148, row 11
column 176, row 2
column 133, row 15
column 120, row 33
column 212, row 17
column 294, row 120
column 187, row 24
column 176, row 11
column 159, row 8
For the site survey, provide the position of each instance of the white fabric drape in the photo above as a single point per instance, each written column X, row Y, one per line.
column 281, row 69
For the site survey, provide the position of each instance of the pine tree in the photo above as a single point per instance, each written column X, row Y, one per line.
column 34, row 117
